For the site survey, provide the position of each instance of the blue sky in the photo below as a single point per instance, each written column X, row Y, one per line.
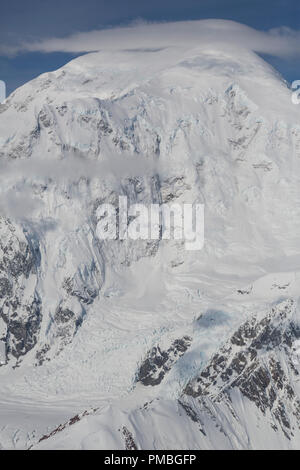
column 37, row 20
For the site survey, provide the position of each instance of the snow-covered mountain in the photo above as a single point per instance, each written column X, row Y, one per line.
column 142, row 344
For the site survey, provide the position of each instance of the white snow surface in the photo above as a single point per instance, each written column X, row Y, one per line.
column 188, row 124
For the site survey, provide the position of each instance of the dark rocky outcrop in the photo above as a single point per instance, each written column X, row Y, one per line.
column 257, row 362
column 20, row 309
column 158, row 362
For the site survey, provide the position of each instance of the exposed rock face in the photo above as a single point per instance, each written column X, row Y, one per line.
column 20, row 307
column 158, row 363
column 21, row 299
column 22, row 333
column 257, row 361
column 128, row 439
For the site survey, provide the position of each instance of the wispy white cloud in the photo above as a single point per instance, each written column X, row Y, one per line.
column 279, row 42
column 18, row 199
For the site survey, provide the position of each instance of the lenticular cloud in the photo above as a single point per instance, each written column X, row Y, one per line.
column 279, row 42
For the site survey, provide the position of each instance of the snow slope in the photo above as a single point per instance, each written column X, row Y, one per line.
column 123, row 330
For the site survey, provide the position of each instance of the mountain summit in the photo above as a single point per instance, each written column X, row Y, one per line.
column 161, row 346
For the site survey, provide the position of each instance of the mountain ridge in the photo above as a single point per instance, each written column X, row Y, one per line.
column 79, row 316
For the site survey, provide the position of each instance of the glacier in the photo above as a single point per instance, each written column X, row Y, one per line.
column 122, row 344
